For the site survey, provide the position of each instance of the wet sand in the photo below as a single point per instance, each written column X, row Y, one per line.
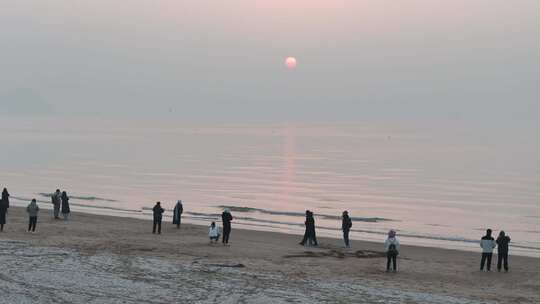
column 101, row 259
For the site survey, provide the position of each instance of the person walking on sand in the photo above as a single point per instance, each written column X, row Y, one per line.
column 391, row 247
column 346, row 224
column 32, row 209
column 65, row 205
column 487, row 243
column 213, row 233
column 3, row 211
column 177, row 214
column 502, row 251
column 158, row 215
column 56, row 199
column 306, row 234
column 226, row 217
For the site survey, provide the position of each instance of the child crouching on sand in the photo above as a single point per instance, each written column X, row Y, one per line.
column 213, row 233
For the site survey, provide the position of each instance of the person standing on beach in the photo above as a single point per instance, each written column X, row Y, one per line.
column 309, row 234
column 177, row 214
column 213, row 233
column 312, row 237
column 346, row 224
column 3, row 211
column 56, row 199
column 32, row 209
column 391, row 247
column 65, row 205
column 488, row 244
column 226, row 217
column 5, row 198
column 502, row 251
column 158, row 215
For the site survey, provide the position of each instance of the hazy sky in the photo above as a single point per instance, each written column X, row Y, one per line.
column 384, row 60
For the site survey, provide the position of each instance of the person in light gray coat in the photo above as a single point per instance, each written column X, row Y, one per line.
column 32, row 209
column 56, row 199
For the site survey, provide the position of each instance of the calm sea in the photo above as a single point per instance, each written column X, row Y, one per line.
column 437, row 186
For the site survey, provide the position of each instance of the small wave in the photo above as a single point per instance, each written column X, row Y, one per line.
column 301, row 214
column 84, row 198
column 24, row 199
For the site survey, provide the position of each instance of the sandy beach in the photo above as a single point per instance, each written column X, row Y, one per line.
column 101, row 259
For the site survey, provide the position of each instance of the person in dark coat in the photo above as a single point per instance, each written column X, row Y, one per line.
column 502, row 251
column 310, row 225
column 306, row 233
column 5, row 197
column 158, row 215
column 65, row 205
column 346, row 224
column 226, row 217
column 56, row 200
column 4, row 205
column 177, row 214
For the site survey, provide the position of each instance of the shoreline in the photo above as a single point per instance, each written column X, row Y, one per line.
column 433, row 271
column 326, row 232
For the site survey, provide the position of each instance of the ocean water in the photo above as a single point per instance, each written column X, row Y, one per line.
column 437, row 186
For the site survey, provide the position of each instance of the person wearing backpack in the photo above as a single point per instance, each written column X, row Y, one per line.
column 32, row 209
column 391, row 247
column 346, row 224
column 487, row 243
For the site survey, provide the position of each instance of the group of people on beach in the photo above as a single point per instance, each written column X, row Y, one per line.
column 59, row 200
column 214, row 233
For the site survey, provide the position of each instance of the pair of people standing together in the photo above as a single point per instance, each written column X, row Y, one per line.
column 60, row 202
column 158, row 216
column 309, row 235
column 488, row 244
column 177, row 218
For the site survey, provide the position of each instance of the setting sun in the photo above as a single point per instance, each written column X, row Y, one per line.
column 290, row 63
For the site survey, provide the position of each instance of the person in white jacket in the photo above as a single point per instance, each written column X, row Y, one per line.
column 487, row 243
column 391, row 247
column 213, row 233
